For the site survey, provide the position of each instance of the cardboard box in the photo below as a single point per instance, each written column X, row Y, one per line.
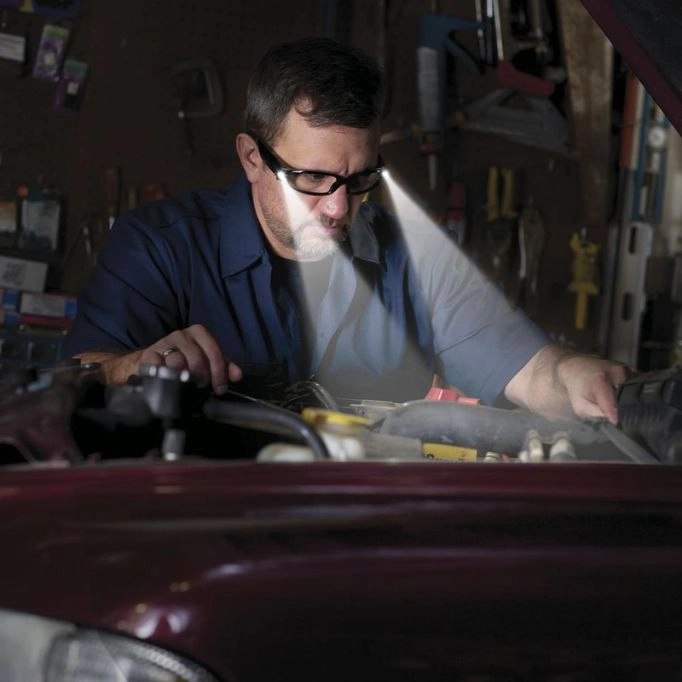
column 29, row 320
column 9, row 299
column 47, row 305
column 17, row 273
column 9, row 318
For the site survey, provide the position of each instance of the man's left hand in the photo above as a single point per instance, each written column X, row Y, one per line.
column 591, row 384
column 558, row 382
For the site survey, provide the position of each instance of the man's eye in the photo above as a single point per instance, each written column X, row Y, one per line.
column 317, row 178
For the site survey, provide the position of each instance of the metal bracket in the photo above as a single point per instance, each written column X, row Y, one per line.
column 201, row 89
column 538, row 124
column 629, row 296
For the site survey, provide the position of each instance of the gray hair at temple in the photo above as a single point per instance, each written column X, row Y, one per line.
column 329, row 83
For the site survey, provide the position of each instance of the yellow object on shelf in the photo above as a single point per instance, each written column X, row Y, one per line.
column 584, row 275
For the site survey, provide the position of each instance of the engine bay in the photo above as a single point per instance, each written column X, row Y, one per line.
column 68, row 416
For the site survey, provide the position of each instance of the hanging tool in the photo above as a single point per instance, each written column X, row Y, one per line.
column 652, row 159
column 454, row 220
column 519, row 31
column 632, row 238
column 501, row 215
column 88, row 224
column 531, row 121
column 489, row 35
column 531, row 245
column 200, row 93
column 112, row 191
column 519, row 110
column 584, row 274
column 435, row 41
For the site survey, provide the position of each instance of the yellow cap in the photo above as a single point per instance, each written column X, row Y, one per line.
column 319, row 417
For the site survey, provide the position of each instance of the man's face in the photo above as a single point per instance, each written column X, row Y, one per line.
column 304, row 227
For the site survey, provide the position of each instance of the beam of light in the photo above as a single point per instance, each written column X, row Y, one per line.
column 299, row 213
column 409, row 214
column 298, row 208
column 416, row 226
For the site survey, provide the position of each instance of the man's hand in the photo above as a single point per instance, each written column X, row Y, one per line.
column 557, row 382
column 193, row 348
column 590, row 383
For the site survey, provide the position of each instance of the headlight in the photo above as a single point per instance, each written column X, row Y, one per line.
column 43, row 650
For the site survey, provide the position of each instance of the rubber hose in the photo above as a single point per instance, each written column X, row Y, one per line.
column 268, row 418
column 481, row 427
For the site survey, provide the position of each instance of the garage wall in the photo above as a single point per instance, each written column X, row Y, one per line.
column 128, row 122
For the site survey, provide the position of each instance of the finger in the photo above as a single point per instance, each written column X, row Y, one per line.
column 619, row 373
column 235, row 372
column 607, row 404
column 216, row 365
column 219, row 370
column 586, row 409
column 188, row 354
column 150, row 357
column 196, row 350
column 179, row 360
column 600, row 402
column 179, row 351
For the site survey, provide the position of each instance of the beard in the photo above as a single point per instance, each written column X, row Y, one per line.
column 304, row 236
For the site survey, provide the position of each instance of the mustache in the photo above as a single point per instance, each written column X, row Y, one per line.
column 324, row 221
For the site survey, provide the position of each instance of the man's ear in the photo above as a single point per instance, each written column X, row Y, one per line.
column 247, row 150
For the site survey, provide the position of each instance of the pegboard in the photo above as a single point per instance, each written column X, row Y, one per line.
column 130, row 120
column 129, row 116
column 35, row 140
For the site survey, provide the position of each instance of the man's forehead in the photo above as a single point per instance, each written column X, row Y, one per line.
column 297, row 125
column 298, row 118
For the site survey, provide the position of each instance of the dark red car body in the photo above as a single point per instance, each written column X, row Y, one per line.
column 360, row 571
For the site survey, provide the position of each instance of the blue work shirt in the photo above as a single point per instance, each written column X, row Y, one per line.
column 403, row 303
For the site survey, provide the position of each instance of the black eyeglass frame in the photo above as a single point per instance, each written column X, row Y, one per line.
column 273, row 163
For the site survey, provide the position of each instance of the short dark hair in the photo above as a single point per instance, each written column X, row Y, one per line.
column 337, row 85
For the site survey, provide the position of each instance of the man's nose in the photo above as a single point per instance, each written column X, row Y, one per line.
column 335, row 205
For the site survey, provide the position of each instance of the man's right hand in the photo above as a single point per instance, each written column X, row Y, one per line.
column 192, row 348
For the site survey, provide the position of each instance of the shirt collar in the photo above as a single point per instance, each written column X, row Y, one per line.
column 242, row 242
column 363, row 240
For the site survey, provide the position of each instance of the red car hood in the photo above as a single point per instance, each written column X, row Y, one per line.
column 357, row 571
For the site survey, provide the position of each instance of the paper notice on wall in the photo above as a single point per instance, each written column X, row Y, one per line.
column 39, row 225
column 17, row 273
column 50, row 52
column 8, row 217
column 12, row 47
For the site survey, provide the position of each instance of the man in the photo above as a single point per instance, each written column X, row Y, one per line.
column 288, row 274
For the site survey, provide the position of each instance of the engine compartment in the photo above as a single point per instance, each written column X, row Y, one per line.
column 67, row 415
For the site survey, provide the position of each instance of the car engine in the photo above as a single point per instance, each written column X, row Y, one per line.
column 67, row 415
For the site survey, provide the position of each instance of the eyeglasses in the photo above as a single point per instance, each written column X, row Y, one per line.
column 320, row 183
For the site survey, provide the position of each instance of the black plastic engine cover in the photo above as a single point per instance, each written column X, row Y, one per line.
column 650, row 412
